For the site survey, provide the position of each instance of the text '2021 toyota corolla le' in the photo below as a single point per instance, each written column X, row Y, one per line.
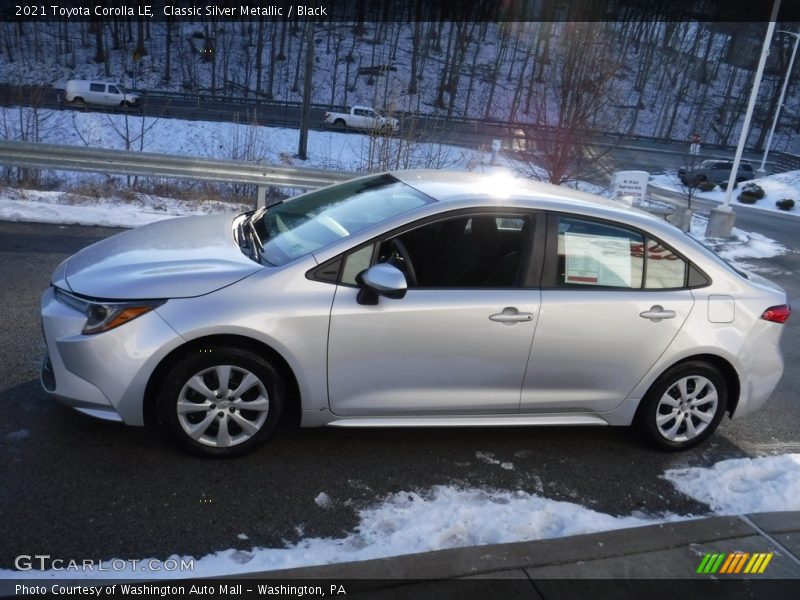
column 417, row 298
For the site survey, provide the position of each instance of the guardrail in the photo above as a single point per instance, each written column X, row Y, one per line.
column 123, row 162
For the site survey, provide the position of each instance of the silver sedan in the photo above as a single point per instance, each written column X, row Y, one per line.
column 418, row 298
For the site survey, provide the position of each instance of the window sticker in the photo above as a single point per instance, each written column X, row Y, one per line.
column 597, row 260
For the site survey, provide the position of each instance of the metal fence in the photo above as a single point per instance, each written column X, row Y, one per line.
column 122, row 162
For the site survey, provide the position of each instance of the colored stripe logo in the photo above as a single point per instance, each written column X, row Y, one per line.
column 734, row 563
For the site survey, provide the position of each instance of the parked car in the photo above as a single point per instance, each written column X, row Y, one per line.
column 418, row 298
column 363, row 118
column 101, row 93
column 715, row 171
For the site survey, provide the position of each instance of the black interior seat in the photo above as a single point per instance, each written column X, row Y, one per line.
column 468, row 260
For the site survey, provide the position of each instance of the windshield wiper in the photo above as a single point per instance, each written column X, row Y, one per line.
column 248, row 237
column 256, row 241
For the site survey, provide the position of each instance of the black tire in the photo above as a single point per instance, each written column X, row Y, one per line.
column 703, row 380
column 340, row 124
column 204, row 363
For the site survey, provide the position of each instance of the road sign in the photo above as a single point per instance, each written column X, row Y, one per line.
column 694, row 149
column 695, row 137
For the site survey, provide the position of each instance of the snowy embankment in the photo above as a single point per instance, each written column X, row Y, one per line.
column 443, row 517
column 776, row 187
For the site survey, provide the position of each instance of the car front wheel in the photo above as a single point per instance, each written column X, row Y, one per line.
column 221, row 402
column 684, row 406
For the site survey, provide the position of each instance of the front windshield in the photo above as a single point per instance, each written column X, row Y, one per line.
column 302, row 225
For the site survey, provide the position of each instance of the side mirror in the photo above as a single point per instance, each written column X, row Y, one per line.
column 382, row 279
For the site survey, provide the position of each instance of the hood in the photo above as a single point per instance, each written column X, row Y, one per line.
column 176, row 258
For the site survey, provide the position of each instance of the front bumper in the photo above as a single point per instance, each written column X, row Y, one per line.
column 103, row 375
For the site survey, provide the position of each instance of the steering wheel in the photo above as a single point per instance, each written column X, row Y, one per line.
column 399, row 249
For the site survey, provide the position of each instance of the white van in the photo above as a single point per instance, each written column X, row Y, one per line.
column 99, row 92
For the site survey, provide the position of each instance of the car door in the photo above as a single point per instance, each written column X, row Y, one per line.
column 613, row 298
column 113, row 96
column 457, row 343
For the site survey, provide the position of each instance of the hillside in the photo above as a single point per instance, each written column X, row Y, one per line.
column 658, row 79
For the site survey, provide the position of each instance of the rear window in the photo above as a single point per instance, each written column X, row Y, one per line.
column 745, row 167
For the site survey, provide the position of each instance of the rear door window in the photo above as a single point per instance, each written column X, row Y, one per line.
column 594, row 254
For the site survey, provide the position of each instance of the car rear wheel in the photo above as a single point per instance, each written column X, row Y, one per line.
column 684, row 406
column 221, row 402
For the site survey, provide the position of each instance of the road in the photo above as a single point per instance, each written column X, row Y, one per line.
column 74, row 487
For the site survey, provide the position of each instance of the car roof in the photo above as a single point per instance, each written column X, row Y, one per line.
column 472, row 189
column 446, row 186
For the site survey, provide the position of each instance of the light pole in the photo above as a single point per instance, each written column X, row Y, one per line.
column 796, row 36
column 721, row 219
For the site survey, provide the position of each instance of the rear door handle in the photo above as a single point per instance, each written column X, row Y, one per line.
column 510, row 316
column 657, row 313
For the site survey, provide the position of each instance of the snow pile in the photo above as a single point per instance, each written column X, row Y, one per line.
column 743, row 485
column 406, row 523
column 776, row 187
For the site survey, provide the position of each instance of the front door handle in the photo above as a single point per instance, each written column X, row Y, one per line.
column 657, row 313
column 510, row 316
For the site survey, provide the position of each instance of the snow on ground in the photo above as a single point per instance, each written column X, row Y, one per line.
column 743, row 485
column 410, row 522
column 449, row 517
column 229, row 140
column 741, row 246
column 776, row 187
column 68, row 208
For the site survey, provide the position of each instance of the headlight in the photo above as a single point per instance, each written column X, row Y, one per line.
column 102, row 316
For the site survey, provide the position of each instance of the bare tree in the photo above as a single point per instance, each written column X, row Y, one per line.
column 575, row 101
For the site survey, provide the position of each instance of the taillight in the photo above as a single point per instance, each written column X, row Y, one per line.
column 777, row 314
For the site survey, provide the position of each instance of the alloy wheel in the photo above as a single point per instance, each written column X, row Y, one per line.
column 222, row 406
column 687, row 408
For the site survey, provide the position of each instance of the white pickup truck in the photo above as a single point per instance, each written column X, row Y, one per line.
column 363, row 118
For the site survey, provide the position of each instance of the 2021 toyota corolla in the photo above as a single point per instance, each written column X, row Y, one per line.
column 415, row 298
